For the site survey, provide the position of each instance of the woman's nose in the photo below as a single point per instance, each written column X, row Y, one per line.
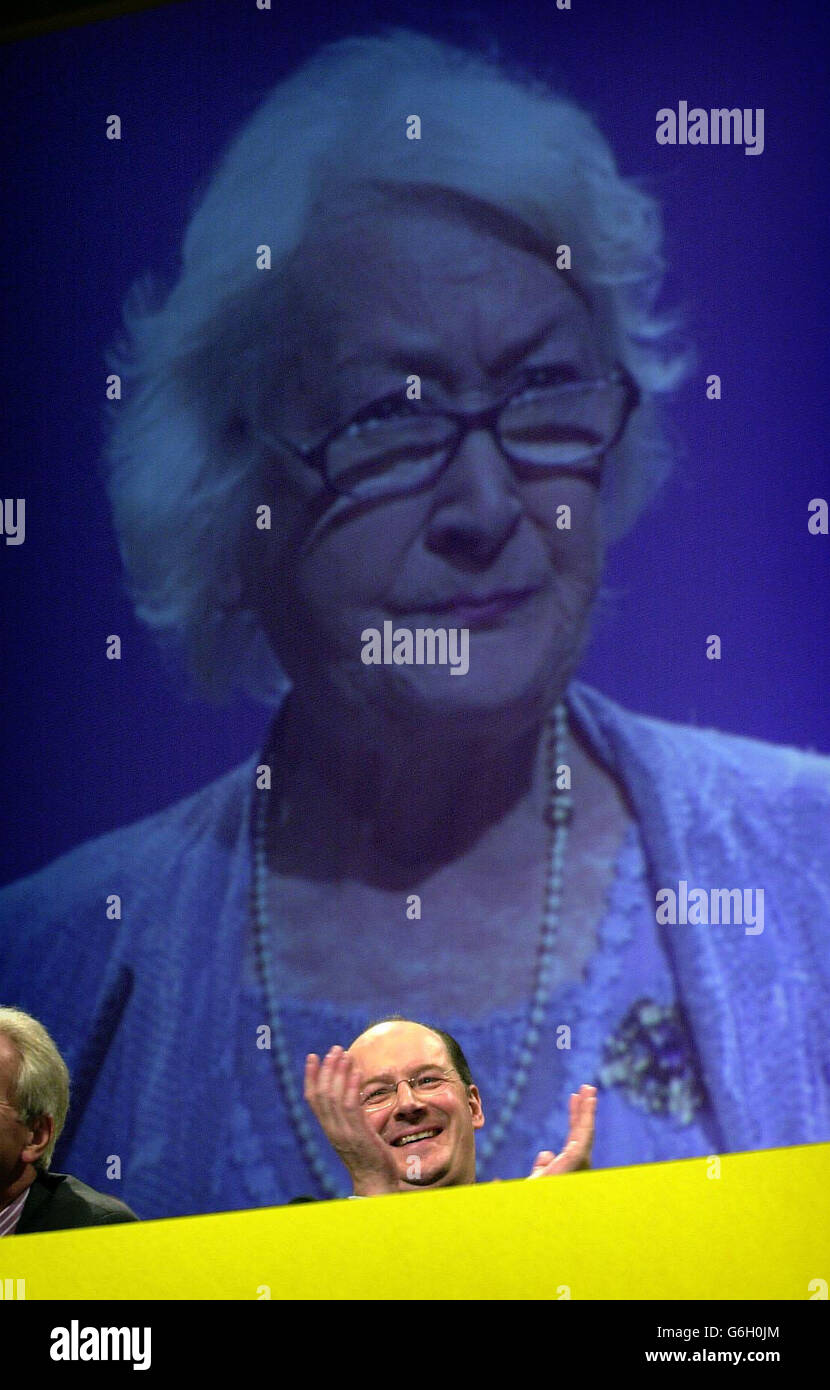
column 476, row 506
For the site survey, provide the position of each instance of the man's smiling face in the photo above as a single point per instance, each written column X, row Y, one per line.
column 436, row 1127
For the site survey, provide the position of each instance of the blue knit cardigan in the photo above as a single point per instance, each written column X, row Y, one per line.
column 141, row 1007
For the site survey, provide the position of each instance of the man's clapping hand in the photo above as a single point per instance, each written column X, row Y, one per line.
column 332, row 1089
column 576, row 1154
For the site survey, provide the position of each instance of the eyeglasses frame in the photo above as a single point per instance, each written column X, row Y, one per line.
column 411, row 1082
column 315, row 455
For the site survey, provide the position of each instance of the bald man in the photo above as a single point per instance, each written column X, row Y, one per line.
column 401, row 1110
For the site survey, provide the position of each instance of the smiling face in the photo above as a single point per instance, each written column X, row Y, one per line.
column 373, row 298
column 446, row 1119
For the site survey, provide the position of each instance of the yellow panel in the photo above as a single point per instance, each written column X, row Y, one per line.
column 760, row 1230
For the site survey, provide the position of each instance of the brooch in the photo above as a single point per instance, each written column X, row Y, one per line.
column 650, row 1060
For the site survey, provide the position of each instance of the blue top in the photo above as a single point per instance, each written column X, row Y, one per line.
column 156, row 1014
column 267, row 1165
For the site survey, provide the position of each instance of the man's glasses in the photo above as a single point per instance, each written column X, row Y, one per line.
column 7, row 1105
column 380, row 1096
column 394, row 446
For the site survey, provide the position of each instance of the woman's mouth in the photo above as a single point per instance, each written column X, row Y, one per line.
column 479, row 610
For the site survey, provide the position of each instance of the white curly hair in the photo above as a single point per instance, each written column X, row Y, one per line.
column 184, row 475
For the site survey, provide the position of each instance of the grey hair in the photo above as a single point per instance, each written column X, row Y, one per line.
column 185, row 474
column 42, row 1084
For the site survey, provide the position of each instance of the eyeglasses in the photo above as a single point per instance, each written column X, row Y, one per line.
column 394, row 447
column 380, row 1096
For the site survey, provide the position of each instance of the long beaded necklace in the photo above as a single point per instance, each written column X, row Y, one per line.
column 557, row 814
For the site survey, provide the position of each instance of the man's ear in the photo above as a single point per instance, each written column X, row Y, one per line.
column 42, row 1128
column 476, row 1108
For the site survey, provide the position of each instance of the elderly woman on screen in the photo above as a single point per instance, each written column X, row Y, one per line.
column 404, row 390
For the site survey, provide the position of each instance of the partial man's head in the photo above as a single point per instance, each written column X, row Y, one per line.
column 34, row 1099
column 417, row 1093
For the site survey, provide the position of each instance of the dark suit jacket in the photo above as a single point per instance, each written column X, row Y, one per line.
column 57, row 1202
